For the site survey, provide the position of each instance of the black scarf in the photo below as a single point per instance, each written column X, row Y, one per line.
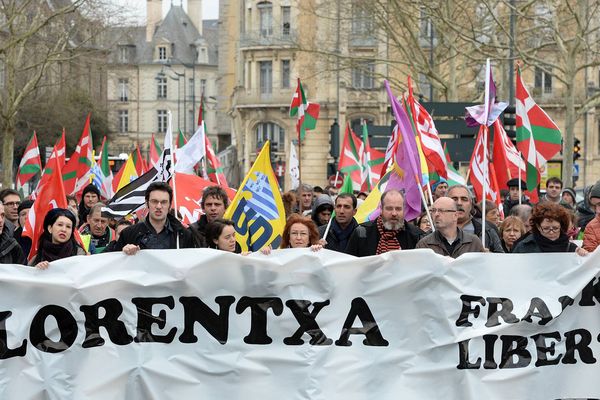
column 49, row 251
column 560, row 245
column 342, row 234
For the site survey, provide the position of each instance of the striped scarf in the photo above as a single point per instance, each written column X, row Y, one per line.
column 388, row 240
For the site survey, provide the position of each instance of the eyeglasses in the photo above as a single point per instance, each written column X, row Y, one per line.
column 440, row 210
column 12, row 203
column 294, row 233
column 155, row 202
column 548, row 229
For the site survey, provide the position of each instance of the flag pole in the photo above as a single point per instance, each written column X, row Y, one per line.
column 520, row 195
column 170, row 129
column 424, row 201
column 299, row 168
column 485, row 179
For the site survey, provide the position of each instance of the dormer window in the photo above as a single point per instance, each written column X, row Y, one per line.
column 162, row 53
column 123, row 54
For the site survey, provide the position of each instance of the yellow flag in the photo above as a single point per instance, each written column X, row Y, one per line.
column 257, row 209
column 129, row 173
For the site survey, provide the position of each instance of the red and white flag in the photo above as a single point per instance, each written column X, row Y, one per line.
column 351, row 157
column 480, row 163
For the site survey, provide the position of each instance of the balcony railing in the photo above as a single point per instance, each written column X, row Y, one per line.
column 269, row 38
column 277, row 97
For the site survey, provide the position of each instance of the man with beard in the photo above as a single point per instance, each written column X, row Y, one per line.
column 448, row 239
column 388, row 232
column 464, row 199
column 343, row 223
column 214, row 203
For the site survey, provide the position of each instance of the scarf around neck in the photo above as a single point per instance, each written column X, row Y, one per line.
column 388, row 239
column 560, row 245
column 55, row 251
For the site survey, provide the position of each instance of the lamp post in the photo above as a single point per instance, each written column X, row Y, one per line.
column 178, row 78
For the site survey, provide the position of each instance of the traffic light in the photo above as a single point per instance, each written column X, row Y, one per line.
column 509, row 121
column 576, row 149
column 334, row 140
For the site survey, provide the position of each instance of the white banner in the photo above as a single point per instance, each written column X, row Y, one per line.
column 199, row 323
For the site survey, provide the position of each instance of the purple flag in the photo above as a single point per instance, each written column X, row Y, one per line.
column 406, row 168
column 488, row 112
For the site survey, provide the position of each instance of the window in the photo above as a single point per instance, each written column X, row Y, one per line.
column 123, row 89
column 162, row 53
column 285, row 20
column 191, row 88
column 285, row 74
column 162, row 121
column 123, row 54
column 193, row 122
column 362, row 76
column 266, row 77
column 273, row 132
column 123, row 121
column 362, row 22
column 543, row 80
column 265, row 11
column 202, row 87
column 161, row 88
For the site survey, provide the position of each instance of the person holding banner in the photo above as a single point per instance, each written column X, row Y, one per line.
column 549, row 226
column 220, row 235
column 388, row 232
column 300, row 232
column 160, row 230
column 57, row 240
column 343, row 223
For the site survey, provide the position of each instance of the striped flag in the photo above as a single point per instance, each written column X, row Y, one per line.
column 61, row 149
column 213, row 166
column 351, row 157
column 307, row 113
column 155, row 151
column 30, row 164
column 478, row 178
column 76, row 171
column 131, row 197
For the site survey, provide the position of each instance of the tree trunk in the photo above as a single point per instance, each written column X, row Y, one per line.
column 8, row 149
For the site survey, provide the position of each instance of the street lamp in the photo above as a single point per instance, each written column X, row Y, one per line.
column 177, row 78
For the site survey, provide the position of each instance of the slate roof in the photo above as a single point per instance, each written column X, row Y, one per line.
column 176, row 28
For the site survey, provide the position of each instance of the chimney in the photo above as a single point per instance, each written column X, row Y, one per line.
column 153, row 17
column 194, row 11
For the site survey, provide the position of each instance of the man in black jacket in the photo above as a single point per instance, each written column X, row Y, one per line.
column 463, row 197
column 160, row 230
column 388, row 232
column 10, row 251
column 214, row 204
column 343, row 224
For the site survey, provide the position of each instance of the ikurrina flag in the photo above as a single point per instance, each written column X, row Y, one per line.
column 155, row 151
column 538, row 137
column 61, row 149
column 351, row 157
column 307, row 113
column 31, row 164
column 76, row 172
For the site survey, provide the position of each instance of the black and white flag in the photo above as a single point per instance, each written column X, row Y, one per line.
column 132, row 196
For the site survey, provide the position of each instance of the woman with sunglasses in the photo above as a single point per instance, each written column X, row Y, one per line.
column 549, row 226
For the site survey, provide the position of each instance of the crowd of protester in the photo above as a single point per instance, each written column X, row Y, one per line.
column 316, row 218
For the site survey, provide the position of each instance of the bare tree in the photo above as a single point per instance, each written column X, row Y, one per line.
column 43, row 45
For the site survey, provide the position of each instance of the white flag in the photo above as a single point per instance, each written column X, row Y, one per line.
column 294, row 167
column 191, row 153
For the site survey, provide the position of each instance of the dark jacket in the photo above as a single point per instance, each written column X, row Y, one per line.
column 142, row 233
column 465, row 243
column 509, row 204
column 198, row 232
column 363, row 241
column 10, row 251
column 529, row 245
column 583, row 211
column 333, row 242
column 492, row 237
column 24, row 241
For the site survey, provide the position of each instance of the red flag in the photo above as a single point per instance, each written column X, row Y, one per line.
column 189, row 195
column 213, row 166
column 351, row 157
column 51, row 195
column 478, row 166
column 61, row 149
column 155, row 151
column 76, row 171
column 138, row 160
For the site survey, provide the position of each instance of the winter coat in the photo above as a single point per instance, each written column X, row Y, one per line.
column 529, row 245
column 467, row 243
column 363, row 241
column 141, row 233
column 591, row 235
column 492, row 237
column 10, row 251
column 333, row 242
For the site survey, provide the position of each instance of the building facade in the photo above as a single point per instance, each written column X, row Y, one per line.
column 343, row 57
column 168, row 65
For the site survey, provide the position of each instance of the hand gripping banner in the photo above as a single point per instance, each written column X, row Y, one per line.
column 200, row 323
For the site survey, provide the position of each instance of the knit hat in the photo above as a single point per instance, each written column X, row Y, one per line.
column 435, row 185
column 25, row 204
column 514, row 182
column 90, row 188
column 571, row 192
column 595, row 192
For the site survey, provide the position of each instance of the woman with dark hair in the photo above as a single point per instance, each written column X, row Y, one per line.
column 549, row 226
column 511, row 230
column 57, row 240
column 220, row 235
column 423, row 223
column 300, row 232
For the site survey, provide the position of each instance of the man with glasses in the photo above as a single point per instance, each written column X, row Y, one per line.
column 464, row 199
column 11, row 200
column 160, row 229
column 448, row 239
column 591, row 235
column 388, row 232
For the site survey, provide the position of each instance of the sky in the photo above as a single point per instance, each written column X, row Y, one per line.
column 210, row 8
